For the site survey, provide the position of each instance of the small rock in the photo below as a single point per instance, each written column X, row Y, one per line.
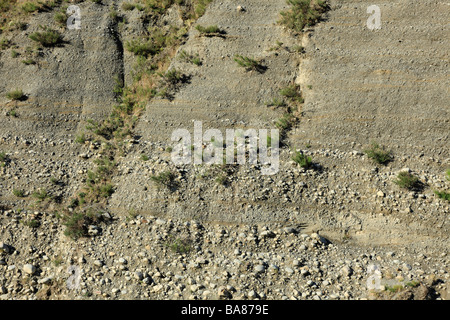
column 260, row 268
column 98, row 263
column 29, row 268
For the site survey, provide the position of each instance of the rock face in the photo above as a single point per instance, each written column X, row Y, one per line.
column 229, row 232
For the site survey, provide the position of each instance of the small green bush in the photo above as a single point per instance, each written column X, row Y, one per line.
column 30, row 7
column 142, row 47
column 190, row 58
column 19, row 193
column 28, row 62
column 292, row 92
column 40, row 195
column 407, row 180
column 180, row 246
column 200, row 6
column 378, row 154
column 249, row 63
column 61, row 18
column 209, row 31
column 47, row 38
column 302, row 160
column 285, row 122
column 75, row 225
column 164, row 178
column 127, row 6
column 16, row 95
column 33, row 223
column 303, row 13
column 276, row 102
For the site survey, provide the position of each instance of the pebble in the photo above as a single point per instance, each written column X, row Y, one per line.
column 29, row 269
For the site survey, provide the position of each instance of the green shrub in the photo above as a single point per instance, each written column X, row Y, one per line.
column 61, row 18
column 40, row 195
column 276, row 102
column 80, row 139
column 16, row 95
column 378, row 154
column 47, row 38
column 200, row 6
column 285, row 122
column 292, row 92
column 302, row 160
column 209, row 31
column 127, row 6
column 249, row 63
column 33, row 223
column 142, row 47
column 19, row 193
column 76, row 225
column 144, row 157
column 407, row 180
column 164, row 178
column 14, row 54
column 303, row 13
column 106, row 190
column 180, row 246
column 190, row 58
column 30, row 7
column 28, row 62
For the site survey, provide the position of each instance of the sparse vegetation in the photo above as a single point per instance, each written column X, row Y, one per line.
column 60, row 18
column 28, row 61
column 209, row 31
column 81, row 138
column 302, row 13
column 127, row 6
column 19, row 193
column 408, row 181
column 276, row 102
column 249, row 63
column 48, row 37
column 180, row 246
column 40, row 195
column 395, row 288
column 444, row 195
column 32, row 223
column 379, row 154
column 190, row 58
column 164, row 178
column 30, row 7
column 16, row 95
column 412, row 284
column 285, row 122
column 292, row 93
column 302, row 160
